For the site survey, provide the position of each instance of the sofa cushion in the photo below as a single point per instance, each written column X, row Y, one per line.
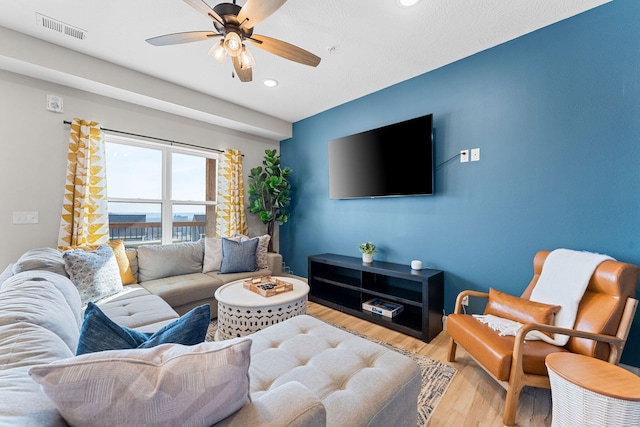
column 48, row 259
column 95, row 273
column 99, row 333
column 23, row 345
column 186, row 288
column 167, row 385
column 137, row 308
column 158, row 261
column 238, row 256
column 37, row 301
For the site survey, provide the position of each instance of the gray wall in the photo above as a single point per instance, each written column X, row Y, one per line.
column 34, row 145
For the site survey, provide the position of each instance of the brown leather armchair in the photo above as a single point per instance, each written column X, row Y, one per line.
column 601, row 328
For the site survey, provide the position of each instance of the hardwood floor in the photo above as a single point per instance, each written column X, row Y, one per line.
column 473, row 398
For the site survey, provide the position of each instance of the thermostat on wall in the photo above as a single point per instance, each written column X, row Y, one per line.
column 54, row 103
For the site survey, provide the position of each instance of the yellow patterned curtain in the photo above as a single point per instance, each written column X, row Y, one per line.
column 85, row 219
column 230, row 219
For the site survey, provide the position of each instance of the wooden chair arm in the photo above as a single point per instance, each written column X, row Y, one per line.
column 467, row 293
column 614, row 342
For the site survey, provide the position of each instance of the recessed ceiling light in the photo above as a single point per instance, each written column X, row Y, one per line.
column 407, row 3
column 270, row 83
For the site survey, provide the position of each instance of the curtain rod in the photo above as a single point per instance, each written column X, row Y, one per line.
column 67, row 122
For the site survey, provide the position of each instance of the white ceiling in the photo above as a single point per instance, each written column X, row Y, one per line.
column 376, row 43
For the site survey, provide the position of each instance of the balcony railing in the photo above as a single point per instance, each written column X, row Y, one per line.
column 151, row 232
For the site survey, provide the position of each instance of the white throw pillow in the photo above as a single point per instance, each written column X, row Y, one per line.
column 167, row 385
column 213, row 253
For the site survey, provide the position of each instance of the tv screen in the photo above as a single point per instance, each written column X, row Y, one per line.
column 390, row 161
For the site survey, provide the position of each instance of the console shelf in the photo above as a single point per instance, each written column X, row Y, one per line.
column 344, row 283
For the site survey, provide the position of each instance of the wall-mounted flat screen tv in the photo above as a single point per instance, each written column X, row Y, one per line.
column 390, row 161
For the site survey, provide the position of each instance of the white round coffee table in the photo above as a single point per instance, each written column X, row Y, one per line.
column 242, row 312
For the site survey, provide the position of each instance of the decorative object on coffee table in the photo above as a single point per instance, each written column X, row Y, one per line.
column 267, row 286
column 242, row 312
column 368, row 249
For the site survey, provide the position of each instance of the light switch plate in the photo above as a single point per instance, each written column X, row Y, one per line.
column 25, row 218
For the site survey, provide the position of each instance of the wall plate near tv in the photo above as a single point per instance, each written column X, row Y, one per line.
column 389, row 161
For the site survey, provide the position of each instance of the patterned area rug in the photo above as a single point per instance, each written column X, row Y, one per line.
column 436, row 376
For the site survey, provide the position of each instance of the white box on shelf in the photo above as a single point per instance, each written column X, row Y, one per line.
column 382, row 307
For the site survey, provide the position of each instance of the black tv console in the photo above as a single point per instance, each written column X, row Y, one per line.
column 344, row 283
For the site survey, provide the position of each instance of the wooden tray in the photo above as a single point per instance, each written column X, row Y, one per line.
column 267, row 286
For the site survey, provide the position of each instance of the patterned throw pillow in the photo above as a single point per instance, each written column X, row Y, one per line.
column 238, row 256
column 95, row 273
column 167, row 385
column 261, row 252
column 119, row 250
column 100, row 333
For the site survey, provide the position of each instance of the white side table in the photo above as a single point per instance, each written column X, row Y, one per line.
column 590, row 392
column 242, row 312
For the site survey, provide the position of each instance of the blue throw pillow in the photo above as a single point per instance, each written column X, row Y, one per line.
column 99, row 333
column 238, row 256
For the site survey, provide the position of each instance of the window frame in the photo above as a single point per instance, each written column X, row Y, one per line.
column 166, row 203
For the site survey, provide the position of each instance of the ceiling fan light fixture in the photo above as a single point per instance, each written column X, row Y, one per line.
column 233, row 43
column 407, row 3
column 246, row 59
column 218, row 52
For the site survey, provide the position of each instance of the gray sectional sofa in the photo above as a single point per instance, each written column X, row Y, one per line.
column 175, row 273
column 302, row 372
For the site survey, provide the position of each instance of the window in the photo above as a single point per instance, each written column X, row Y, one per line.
column 159, row 193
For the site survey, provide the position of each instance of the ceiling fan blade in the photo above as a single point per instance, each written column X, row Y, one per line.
column 244, row 74
column 204, row 8
column 255, row 11
column 285, row 50
column 178, row 38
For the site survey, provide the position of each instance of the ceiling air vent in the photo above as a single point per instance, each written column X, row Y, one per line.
column 60, row 27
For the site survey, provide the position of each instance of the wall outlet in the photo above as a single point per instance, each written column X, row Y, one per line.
column 465, row 300
column 464, row 156
column 475, row 154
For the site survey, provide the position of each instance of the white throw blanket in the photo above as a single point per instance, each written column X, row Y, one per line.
column 506, row 327
column 564, row 278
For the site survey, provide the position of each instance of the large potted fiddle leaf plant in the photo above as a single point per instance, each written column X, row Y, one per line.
column 270, row 192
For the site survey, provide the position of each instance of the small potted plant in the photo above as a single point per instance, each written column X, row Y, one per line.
column 367, row 249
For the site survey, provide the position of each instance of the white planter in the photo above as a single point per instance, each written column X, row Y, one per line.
column 368, row 258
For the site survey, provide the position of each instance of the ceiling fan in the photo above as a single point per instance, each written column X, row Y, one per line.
column 233, row 25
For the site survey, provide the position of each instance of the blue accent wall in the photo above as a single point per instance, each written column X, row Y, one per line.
column 556, row 115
